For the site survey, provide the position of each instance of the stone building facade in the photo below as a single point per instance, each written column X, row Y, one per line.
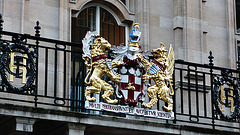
column 193, row 27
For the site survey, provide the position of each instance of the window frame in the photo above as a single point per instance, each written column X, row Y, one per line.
column 98, row 6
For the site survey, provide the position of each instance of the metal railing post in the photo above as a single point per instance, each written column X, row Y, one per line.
column 37, row 34
column 1, row 25
column 210, row 57
column 238, row 66
column 174, row 96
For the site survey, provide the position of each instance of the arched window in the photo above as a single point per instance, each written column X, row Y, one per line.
column 101, row 19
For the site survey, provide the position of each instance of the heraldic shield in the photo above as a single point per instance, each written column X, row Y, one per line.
column 131, row 84
column 130, row 69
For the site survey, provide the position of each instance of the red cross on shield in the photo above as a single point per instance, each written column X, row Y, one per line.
column 131, row 85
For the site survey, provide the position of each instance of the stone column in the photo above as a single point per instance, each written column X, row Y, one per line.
column 142, row 17
column 2, row 5
column 230, row 34
column 76, row 129
column 178, row 25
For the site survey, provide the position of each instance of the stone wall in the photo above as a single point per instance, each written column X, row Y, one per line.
column 194, row 27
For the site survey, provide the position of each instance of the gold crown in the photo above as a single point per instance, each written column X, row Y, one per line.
column 133, row 44
column 136, row 24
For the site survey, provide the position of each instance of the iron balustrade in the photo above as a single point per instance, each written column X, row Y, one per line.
column 197, row 99
column 59, row 72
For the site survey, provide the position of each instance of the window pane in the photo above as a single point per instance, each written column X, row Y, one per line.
column 109, row 28
column 86, row 21
column 124, row 1
column 238, row 15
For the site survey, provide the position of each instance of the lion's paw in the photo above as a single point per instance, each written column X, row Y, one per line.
column 146, row 105
column 91, row 99
column 167, row 109
column 115, row 101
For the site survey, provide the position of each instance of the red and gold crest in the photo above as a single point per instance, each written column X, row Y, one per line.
column 128, row 69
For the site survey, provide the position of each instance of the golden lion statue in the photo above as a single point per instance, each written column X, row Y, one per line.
column 160, row 69
column 99, row 66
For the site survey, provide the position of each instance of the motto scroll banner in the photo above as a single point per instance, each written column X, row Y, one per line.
column 129, row 110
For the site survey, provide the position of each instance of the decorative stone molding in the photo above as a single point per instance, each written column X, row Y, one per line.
column 115, row 5
column 73, row 1
column 24, row 124
column 205, row 26
column 76, row 129
column 178, row 22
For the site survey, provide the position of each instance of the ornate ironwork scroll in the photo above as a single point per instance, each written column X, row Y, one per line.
column 18, row 61
column 226, row 97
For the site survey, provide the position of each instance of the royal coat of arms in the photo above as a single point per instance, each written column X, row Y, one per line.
column 129, row 69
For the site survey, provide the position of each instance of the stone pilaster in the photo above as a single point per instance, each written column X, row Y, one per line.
column 24, row 124
column 76, row 129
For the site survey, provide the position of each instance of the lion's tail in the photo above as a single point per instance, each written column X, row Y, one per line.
column 171, row 88
column 88, row 73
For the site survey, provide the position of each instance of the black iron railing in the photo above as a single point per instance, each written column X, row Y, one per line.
column 199, row 98
column 56, row 72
